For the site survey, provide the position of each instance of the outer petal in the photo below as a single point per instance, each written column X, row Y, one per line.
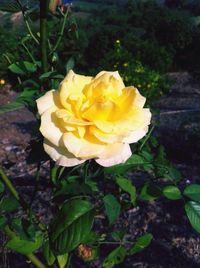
column 139, row 99
column 61, row 155
column 49, row 126
column 46, row 101
column 82, row 148
column 136, row 135
column 128, row 122
column 131, row 96
column 114, row 154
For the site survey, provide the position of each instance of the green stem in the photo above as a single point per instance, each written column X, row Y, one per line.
column 146, row 138
column 17, row 196
column 44, row 5
column 31, row 256
column 30, row 31
column 9, row 184
column 27, row 23
column 61, row 31
column 29, row 53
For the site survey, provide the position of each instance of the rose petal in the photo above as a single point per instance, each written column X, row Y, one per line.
column 70, row 118
column 81, row 147
column 130, row 121
column 106, row 85
column 107, row 137
column 136, row 135
column 114, row 154
column 47, row 101
column 110, row 75
column 50, row 126
column 73, row 84
column 61, row 155
column 100, row 111
column 131, row 97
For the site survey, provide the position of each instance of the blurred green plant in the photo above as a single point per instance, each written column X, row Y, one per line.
column 149, row 82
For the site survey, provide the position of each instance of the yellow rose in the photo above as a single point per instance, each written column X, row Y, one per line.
column 92, row 118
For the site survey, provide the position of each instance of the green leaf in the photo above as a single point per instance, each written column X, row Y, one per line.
column 134, row 161
column 31, row 83
column 16, row 69
column 11, row 107
column 30, row 67
column 192, row 209
column 115, row 257
column 172, row 173
column 3, row 221
column 27, row 96
column 62, row 260
column 91, row 238
column 150, row 192
column 172, row 192
column 167, row 171
column 47, row 75
column 70, row 64
column 2, row 187
column 196, row 20
column 54, row 173
column 25, row 246
column 10, row 7
column 118, row 234
column 74, row 188
column 140, row 244
column 48, row 254
column 193, row 192
column 9, row 204
column 72, row 225
column 112, row 207
column 127, row 186
column 58, row 76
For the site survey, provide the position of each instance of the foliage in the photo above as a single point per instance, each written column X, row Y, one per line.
column 149, row 82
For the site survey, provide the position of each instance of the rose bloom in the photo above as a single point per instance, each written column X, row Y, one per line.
column 92, row 118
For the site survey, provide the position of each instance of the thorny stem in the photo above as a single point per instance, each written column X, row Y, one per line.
column 31, row 256
column 61, row 31
column 30, row 31
column 27, row 23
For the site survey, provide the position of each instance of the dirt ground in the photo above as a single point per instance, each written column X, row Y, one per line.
column 175, row 244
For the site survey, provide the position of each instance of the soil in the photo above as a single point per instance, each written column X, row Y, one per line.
column 175, row 243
